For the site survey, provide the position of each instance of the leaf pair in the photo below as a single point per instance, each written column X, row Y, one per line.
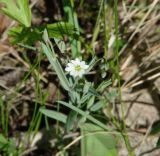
column 17, row 10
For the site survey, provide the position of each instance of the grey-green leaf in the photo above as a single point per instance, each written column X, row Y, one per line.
column 54, row 115
column 49, row 51
column 72, row 117
column 96, row 142
column 104, row 85
column 98, row 105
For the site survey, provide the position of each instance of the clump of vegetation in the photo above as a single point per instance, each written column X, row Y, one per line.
column 67, row 95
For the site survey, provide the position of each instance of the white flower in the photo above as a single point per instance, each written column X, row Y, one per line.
column 76, row 68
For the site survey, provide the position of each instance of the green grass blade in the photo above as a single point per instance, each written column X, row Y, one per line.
column 68, row 6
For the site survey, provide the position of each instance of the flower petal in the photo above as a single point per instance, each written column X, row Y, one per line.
column 85, row 66
column 68, row 69
column 74, row 73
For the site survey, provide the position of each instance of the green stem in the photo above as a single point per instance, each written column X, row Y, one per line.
column 124, row 129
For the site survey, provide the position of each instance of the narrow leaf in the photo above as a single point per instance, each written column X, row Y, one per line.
column 54, row 115
column 97, row 106
column 49, row 51
column 89, row 117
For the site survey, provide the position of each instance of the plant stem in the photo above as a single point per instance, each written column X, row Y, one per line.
column 123, row 130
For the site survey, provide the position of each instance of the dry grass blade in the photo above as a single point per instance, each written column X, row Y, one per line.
column 139, row 25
